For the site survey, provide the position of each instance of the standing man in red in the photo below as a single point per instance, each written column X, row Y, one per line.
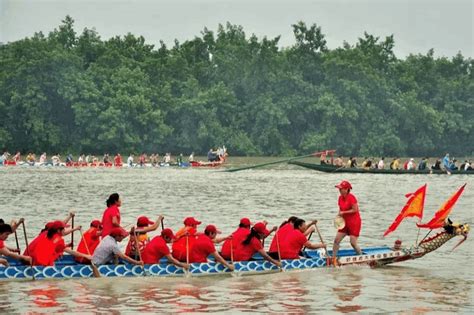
column 349, row 210
column 111, row 217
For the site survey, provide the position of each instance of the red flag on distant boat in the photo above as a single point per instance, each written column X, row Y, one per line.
column 443, row 212
column 413, row 208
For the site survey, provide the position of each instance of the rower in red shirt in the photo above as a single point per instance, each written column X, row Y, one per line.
column 294, row 242
column 50, row 246
column 144, row 225
column 5, row 231
column 238, row 236
column 185, row 238
column 111, row 216
column 204, row 246
column 89, row 241
column 245, row 249
column 118, row 160
column 158, row 248
column 284, row 229
column 32, row 245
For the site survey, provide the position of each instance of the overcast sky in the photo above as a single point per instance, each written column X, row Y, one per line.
column 418, row 25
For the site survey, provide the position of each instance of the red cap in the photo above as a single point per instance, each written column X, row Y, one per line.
column 245, row 221
column 168, row 233
column 118, row 231
column 57, row 225
column 49, row 225
column 144, row 221
column 261, row 228
column 344, row 185
column 96, row 223
column 191, row 221
column 211, row 229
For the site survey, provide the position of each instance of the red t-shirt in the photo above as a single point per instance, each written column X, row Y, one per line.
column 92, row 240
column 131, row 248
column 109, row 213
column 282, row 234
column 244, row 252
column 202, row 247
column 292, row 244
column 32, row 246
column 2, row 244
column 156, row 249
column 237, row 237
column 48, row 250
column 345, row 204
column 179, row 247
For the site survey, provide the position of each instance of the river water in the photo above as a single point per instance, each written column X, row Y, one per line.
column 440, row 282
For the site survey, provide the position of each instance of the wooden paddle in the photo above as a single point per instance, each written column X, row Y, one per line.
column 28, row 251
column 276, row 162
column 278, row 249
column 187, row 254
column 95, row 270
column 232, row 251
column 322, row 242
column 72, row 232
column 137, row 249
column 17, row 243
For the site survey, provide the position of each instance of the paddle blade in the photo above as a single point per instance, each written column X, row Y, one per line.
column 95, row 271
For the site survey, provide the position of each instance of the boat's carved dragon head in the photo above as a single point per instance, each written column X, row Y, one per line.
column 450, row 230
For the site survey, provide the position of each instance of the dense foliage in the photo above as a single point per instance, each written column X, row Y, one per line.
column 74, row 92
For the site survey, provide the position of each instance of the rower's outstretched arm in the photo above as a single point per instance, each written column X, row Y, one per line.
column 310, row 245
column 69, row 217
column 69, row 231
column 309, row 230
column 78, row 254
column 266, row 257
column 218, row 240
column 130, row 260
column 175, row 262
column 222, row 260
column 150, row 228
column 5, row 252
column 16, row 224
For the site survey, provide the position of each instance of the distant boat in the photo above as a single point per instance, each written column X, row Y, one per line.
column 328, row 168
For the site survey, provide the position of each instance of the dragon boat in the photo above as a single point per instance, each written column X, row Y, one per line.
column 328, row 168
column 67, row 268
column 206, row 164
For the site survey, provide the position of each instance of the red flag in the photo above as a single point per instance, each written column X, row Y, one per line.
column 413, row 208
column 443, row 212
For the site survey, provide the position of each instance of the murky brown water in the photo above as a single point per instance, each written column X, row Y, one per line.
column 440, row 282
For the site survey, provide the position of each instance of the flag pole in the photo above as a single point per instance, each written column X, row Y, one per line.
column 418, row 234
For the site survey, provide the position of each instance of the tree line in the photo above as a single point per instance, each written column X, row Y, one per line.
column 78, row 93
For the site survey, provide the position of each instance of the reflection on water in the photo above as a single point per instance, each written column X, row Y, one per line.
column 344, row 290
column 440, row 282
column 350, row 289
